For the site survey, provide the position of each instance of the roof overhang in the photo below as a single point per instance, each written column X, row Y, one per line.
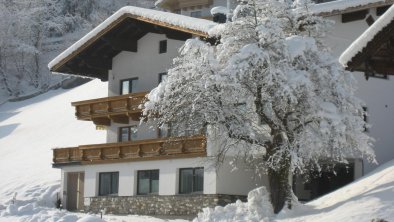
column 373, row 52
column 92, row 55
column 339, row 7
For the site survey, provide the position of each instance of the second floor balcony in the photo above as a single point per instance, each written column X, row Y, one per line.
column 118, row 109
column 140, row 150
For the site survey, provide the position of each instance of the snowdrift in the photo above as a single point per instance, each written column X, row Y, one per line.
column 367, row 199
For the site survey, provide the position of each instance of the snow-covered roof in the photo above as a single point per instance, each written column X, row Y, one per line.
column 345, row 6
column 219, row 10
column 362, row 41
column 178, row 22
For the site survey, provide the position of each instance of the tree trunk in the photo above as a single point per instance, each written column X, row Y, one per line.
column 279, row 187
column 278, row 176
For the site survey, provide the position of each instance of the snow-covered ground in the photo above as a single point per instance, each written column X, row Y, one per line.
column 29, row 129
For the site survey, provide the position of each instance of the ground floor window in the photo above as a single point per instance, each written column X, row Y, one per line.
column 108, row 183
column 148, row 182
column 191, row 180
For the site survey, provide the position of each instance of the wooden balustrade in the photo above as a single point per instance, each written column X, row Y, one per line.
column 153, row 149
column 104, row 110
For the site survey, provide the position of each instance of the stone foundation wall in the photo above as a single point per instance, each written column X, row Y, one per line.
column 160, row 205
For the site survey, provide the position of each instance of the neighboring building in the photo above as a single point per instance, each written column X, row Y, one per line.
column 139, row 170
column 352, row 18
column 194, row 8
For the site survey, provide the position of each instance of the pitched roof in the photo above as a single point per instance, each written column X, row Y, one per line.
column 146, row 17
column 372, row 49
column 346, row 6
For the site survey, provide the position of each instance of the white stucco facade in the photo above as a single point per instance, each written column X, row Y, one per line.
column 145, row 64
column 375, row 92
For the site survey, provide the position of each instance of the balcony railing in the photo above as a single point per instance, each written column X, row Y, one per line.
column 116, row 108
column 153, row 149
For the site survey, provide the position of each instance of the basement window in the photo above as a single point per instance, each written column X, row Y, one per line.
column 191, row 180
column 108, row 184
column 148, row 182
column 162, row 46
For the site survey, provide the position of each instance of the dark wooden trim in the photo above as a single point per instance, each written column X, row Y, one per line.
column 356, row 8
column 354, row 16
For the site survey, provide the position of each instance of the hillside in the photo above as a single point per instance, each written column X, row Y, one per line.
column 31, row 128
column 28, row 131
column 33, row 32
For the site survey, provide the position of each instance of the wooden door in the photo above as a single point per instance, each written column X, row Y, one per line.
column 80, row 197
column 75, row 197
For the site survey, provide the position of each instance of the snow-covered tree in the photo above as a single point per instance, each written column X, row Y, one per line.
column 32, row 32
column 272, row 88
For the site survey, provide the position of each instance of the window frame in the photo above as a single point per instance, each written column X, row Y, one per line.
column 130, row 89
column 163, row 45
column 111, row 188
column 129, row 134
column 365, row 118
column 193, row 185
column 150, row 182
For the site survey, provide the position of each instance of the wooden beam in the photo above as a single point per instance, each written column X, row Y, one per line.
column 373, row 47
column 94, row 62
column 121, row 43
column 123, row 119
column 102, row 121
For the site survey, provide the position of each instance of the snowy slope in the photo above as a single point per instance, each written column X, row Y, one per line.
column 28, row 131
column 368, row 198
column 31, row 128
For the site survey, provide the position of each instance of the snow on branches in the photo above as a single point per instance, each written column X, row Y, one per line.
column 271, row 87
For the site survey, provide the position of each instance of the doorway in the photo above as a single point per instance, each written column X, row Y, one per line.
column 75, row 185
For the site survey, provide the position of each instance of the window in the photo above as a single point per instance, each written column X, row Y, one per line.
column 365, row 117
column 128, row 86
column 164, row 130
column 163, row 46
column 162, row 76
column 148, row 182
column 191, row 180
column 195, row 14
column 127, row 133
column 108, row 183
column 370, row 20
column 375, row 75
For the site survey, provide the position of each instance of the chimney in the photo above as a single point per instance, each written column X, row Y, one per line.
column 219, row 14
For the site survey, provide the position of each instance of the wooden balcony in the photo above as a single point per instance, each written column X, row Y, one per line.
column 116, row 108
column 142, row 150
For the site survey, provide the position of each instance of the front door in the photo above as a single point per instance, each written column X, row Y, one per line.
column 75, row 184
